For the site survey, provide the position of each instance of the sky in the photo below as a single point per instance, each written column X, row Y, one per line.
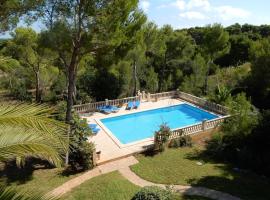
column 191, row 13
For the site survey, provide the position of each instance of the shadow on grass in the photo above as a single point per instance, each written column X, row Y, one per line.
column 199, row 154
column 188, row 197
column 71, row 171
column 238, row 182
column 150, row 152
column 234, row 186
column 11, row 173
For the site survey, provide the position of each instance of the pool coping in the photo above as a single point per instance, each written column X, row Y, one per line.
column 151, row 139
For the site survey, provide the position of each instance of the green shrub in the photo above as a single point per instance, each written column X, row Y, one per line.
column 153, row 193
column 19, row 91
column 216, row 147
column 161, row 138
column 81, row 154
column 50, row 96
column 182, row 141
column 81, row 151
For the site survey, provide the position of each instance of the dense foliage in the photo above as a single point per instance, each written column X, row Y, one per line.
column 243, row 139
column 182, row 141
column 92, row 50
column 153, row 193
column 80, row 150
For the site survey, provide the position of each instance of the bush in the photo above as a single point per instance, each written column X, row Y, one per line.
column 161, row 138
column 216, row 147
column 243, row 139
column 81, row 153
column 19, row 91
column 153, row 193
column 182, row 141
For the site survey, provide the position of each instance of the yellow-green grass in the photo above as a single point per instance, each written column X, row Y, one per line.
column 112, row 186
column 41, row 180
column 108, row 186
column 180, row 166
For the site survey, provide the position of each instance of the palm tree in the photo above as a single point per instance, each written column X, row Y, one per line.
column 12, row 194
column 27, row 130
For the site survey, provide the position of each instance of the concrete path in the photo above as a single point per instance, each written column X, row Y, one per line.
column 188, row 190
column 123, row 167
column 102, row 169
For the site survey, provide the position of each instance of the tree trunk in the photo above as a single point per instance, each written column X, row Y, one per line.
column 135, row 78
column 206, row 78
column 71, row 85
column 71, row 88
column 162, row 81
column 38, row 95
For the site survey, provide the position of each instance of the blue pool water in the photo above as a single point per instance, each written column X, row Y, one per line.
column 137, row 126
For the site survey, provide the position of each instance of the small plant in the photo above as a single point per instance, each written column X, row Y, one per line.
column 161, row 138
column 153, row 193
column 182, row 141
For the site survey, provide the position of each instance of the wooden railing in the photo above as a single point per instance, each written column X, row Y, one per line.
column 196, row 128
column 203, row 103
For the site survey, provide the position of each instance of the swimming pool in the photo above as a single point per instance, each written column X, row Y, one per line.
column 141, row 125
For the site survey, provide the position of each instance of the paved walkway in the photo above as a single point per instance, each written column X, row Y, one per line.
column 189, row 190
column 123, row 167
column 102, row 169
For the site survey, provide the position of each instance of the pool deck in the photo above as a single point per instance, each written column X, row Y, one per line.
column 108, row 144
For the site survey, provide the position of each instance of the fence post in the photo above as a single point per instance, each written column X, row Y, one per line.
column 177, row 93
column 140, row 96
column 94, row 157
column 204, row 124
column 148, row 96
column 107, row 102
column 143, row 95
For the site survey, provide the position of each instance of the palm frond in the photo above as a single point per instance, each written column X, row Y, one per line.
column 30, row 116
column 13, row 194
column 34, row 117
column 19, row 142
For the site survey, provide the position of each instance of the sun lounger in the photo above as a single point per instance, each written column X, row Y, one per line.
column 114, row 109
column 108, row 109
column 92, row 125
column 130, row 105
column 104, row 109
column 94, row 128
column 137, row 104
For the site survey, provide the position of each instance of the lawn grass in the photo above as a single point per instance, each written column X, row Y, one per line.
column 39, row 180
column 112, row 186
column 179, row 166
column 108, row 186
